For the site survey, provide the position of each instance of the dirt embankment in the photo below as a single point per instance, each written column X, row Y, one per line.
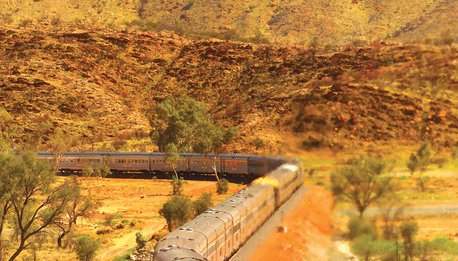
column 309, row 230
column 102, row 85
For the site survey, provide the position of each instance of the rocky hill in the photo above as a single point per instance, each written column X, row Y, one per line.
column 309, row 22
column 339, row 98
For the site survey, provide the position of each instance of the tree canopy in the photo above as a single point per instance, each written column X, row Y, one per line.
column 187, row 124
column 361, row 182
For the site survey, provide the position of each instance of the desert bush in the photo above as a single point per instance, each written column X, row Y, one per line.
column 88, row 171
column 86, row 247
column 119, row 225
column 104, row 171
column 140, row 240
column 259, row 143
column 368, row 248
column 203, row 203
column 177, row 185
column 118, row 144
column 440, row 160
column 222, row 186
column 177, row 211
column 104, row 230
column 420, row 159
column 358, row 227
column 158, row 235
column 312, row 142
column 110, row 219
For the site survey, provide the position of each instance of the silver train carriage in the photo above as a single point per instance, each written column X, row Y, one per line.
column 219, row 232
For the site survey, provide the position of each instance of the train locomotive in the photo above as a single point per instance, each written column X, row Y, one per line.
column 219, row 232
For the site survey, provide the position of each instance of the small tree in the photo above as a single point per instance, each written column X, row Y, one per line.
column 86, row 247
column 140, row 240
column 184, row 124
column 172, row 157
column 59, row 143
column 409, row 230
column 35, row 201
column 203, row 203
column 79, row 206
column 177, row 211
column 7, row 163
column 420, row 161
column 391, row 211
column 361, row 182
column 177, row 186
column 222, row 186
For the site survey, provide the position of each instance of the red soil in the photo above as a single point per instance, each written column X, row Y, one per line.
column 309, row 230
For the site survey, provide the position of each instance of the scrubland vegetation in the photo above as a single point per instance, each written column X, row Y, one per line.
column 373, row 78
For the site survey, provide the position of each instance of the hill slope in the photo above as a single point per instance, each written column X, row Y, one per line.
column 292, row 22
column 339, row 98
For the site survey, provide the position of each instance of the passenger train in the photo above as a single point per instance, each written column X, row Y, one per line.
column 219, row 232
column 138, row 162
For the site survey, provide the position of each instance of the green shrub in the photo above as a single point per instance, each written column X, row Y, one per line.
column 177, row 186
column 358, row 227
column 109, row 219
column 367, row 248
column 104, row 171
column 119, row 225
column 445, row 245
column 177, row 211
column 141, row 240
column 88, row 171
column 203, row 203
column 222, row 186
column 104, row 230
column 86, row 248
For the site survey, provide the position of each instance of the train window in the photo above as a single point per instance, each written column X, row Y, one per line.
column 211, row 249
column 236, row 228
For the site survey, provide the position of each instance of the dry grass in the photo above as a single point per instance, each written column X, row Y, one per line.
column 134, row 201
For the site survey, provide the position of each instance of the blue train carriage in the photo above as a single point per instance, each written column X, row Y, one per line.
column 128, row 161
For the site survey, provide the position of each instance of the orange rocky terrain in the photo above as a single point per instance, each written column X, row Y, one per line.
column 106, row 83
column 309, row 230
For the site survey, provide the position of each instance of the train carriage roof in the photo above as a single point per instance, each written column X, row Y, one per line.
column 177, row 253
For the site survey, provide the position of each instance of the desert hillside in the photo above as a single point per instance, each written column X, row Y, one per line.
column 311, row 22
column 106, row 83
